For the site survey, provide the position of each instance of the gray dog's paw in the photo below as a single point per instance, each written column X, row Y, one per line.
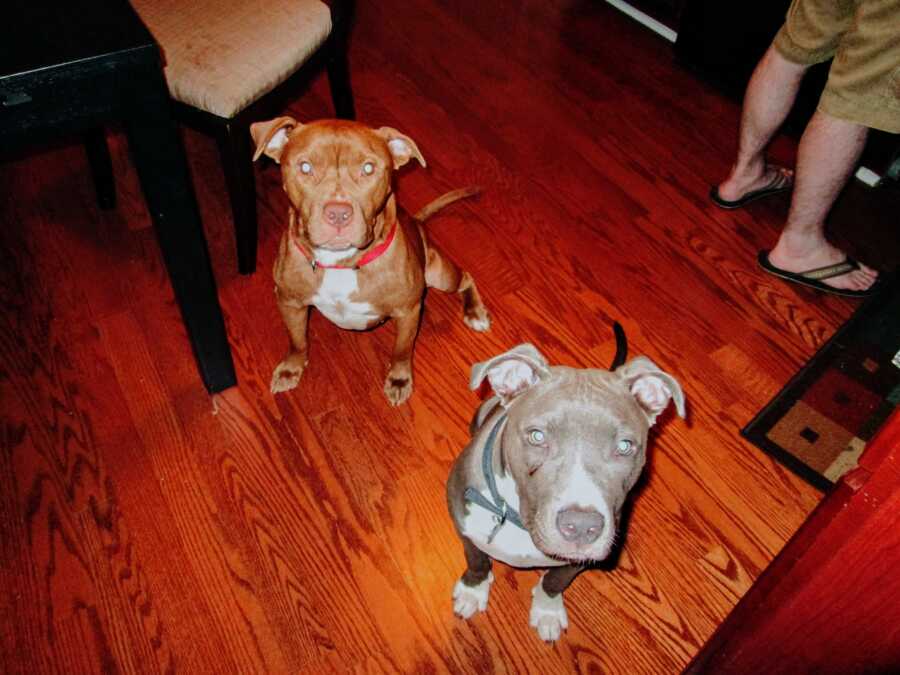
column 548, row 615
column 287, row 375
column 470, row 599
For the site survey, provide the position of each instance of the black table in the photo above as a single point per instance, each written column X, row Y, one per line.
column 71, row 67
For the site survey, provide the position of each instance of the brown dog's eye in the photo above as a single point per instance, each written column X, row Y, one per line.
column 306, row 168
column 368, row 168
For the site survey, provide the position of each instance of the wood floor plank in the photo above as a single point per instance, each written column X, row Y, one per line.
column 75, row 571
column 206, row 560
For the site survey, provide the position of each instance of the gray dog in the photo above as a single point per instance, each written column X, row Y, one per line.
column 552, row 458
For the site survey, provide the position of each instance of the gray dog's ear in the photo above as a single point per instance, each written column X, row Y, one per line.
column 512, row 372
column 271, row 137
column 651, row 387
column 401, row 146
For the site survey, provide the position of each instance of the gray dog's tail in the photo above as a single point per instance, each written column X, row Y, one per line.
column 445, row 200
column 621, row 346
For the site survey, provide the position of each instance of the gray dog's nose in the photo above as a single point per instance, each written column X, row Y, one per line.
column 338, row 214
column 579, row 525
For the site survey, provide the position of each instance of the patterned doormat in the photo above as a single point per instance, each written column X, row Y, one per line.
column 819, row 424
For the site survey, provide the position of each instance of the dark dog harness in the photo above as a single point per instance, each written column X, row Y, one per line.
column 502, row 511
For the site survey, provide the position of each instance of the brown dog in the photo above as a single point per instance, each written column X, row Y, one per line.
column 348, row 250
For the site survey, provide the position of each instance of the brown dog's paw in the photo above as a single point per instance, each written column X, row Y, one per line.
column 478, row 319
column 286, row 376
column 397, row 389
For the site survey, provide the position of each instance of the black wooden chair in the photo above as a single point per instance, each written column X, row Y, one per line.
column 229, row 63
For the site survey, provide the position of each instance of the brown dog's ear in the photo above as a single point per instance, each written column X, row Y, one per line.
column 512, row 372
column 651, row 387
column 271, row 137
column 402, row 147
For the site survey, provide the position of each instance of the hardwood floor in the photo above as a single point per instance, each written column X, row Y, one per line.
column 149, row 527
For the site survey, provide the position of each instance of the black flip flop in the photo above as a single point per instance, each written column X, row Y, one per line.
column 781, row 182
column 814, row 278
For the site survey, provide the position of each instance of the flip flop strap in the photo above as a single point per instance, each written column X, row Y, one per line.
column 782, row 178
column 780, row 181
column 830, row 271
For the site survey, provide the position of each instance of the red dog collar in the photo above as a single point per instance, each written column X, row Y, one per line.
column 370, row 255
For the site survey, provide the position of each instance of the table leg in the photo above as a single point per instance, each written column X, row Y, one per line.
column 101, row 167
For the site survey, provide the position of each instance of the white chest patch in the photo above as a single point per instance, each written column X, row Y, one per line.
column 511, row 545
column 333, row 299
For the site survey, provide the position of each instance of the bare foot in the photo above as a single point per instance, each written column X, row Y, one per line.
column 801, row 254
column 740, row 183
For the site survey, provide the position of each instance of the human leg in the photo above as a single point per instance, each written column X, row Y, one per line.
column 828, row 152
column 862, row 92
column 769, row 98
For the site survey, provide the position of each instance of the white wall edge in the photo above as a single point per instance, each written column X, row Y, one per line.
column 644, row 19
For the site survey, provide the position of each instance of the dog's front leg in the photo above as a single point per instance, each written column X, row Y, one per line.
column 471, row 592
column 398, row 385
column 548, row 613
column 287, row 373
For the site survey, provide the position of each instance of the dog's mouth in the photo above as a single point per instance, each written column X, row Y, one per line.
column 356, row 236
column 579, row 559
column 558, row 549
column 336, row 245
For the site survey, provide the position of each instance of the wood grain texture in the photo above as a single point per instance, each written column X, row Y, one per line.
column 147, row 527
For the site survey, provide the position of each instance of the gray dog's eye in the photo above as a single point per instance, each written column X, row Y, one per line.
column 625, row 447
column 536, row 437
column 368, row 168
column 306, row 168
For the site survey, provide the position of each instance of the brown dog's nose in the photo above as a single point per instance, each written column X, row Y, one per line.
column 338, row 214
column 580, row 526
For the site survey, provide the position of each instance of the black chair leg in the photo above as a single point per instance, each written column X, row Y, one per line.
column 101, row 167
column 237, row 161
column 339, row 82
column 166, row 182
column 336, row 64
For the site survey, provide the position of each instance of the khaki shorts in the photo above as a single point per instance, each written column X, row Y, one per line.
column 864, row 38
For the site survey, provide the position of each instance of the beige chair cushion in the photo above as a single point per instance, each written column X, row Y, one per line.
column 222, row 55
